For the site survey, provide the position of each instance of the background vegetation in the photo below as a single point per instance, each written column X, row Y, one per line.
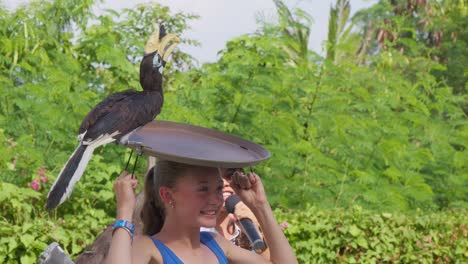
column 373, row 134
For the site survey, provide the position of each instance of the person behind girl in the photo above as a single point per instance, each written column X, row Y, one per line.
column 179, row 199
column 227, row 225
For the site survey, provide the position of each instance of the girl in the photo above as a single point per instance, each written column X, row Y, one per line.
column 179, row 199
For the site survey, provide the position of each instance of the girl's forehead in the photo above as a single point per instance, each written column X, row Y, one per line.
column 202, row 174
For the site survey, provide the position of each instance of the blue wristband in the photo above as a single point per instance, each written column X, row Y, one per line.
column 127, row 225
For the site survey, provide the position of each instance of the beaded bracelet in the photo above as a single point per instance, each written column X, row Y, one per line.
column 127, row 225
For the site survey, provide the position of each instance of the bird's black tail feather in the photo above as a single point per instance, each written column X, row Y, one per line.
column 67, row 178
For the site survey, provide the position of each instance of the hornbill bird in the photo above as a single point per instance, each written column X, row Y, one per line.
column 117, row 115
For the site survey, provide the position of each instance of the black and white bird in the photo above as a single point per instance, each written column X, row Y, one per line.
column 117, row 115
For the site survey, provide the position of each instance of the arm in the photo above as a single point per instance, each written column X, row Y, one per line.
column 122, row 248
column 250, row 189
column 279, row 248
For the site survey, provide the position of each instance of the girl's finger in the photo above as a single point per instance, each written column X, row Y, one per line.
column 232, row 217
column 123, row 174
column 234, row 183
column 129, row 177
column 134, row 184
column 244, row 181
column 234, row 186
column 252, row 178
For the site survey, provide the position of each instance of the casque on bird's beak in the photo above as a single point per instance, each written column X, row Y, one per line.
column 165, row 46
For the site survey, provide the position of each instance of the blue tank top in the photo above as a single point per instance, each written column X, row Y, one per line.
column 169, row 257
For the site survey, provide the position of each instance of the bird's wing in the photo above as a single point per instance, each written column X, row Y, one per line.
column 103, row 108
column 125, row 116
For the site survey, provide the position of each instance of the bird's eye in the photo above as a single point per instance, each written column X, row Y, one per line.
column 157, row 61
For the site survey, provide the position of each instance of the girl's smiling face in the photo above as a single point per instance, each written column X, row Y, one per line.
column 199, row 196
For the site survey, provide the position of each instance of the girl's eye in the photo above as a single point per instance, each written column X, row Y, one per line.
column 203, row 189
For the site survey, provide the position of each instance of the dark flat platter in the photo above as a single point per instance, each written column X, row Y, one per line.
column 196, row 145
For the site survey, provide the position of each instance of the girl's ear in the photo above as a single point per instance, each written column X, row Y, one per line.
column 166, row 194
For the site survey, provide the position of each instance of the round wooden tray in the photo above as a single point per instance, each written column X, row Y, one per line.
column 196, row 145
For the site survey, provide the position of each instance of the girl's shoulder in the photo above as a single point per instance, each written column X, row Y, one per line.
column 223, row 243
column 145, row 250
column 235, row 254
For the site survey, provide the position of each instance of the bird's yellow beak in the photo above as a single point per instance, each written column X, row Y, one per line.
column 164, row 46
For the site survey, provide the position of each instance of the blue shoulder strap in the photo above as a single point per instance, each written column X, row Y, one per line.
column 168, row 256
column 207, row 239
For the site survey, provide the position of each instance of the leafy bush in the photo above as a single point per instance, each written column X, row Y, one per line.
column 362, row 236
column 26, row 228
column 339, row 134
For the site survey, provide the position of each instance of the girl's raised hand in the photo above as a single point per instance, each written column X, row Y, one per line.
column 125, row 195
column 249, row 188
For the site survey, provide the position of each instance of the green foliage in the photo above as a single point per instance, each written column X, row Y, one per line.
column 339, row 134
column 360, row 236
column 431, row 29
column 336, row 26
column 26, row 229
